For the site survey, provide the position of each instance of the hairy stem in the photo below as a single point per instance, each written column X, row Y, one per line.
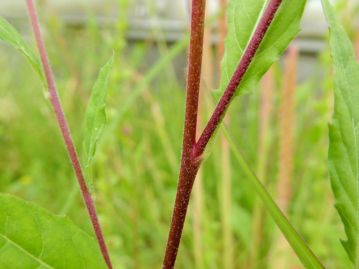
column 237, row 77
column 198, row 196
column 60, row 116
column 189, row 166
column 192, row 151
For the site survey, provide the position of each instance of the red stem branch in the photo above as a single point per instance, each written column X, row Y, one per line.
column 60, row 116
column 237, row 77
column 189, row 166
column 192, row 151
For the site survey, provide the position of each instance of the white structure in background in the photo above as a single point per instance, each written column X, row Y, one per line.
column 169, row 16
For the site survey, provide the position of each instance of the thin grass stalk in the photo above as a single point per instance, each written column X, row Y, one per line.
column 207, row 65
column 306, row 255
column 357, row 44
column 222, row 31
column 160, row 40
column 135, row 222
column 164, row 136
column 226, row 177
column 283, row 254
column 259, row 213
column 226, row 205
column 65, row 131
column 198, row 208
column 266, row 110
column 286, row 129
column 69, row 62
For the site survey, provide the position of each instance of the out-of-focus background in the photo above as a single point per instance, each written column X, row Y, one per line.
column 281, row 128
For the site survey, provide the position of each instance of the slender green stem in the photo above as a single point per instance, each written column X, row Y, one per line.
column 304, row 253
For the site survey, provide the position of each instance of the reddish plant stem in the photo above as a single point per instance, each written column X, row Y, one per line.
column 237, row 77
column 60, row 116
column 192, row 151
column 189, row 166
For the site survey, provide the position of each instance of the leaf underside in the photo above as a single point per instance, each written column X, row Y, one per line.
column 31, row 237
column 243, row 18
column 343, row 133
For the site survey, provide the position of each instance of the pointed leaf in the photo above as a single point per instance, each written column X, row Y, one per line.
column 243, row 17
column 31, row 237
column 344, row 133
column 95, row 118
column 10, row 35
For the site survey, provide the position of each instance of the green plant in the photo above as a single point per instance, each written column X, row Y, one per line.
column 249, row 70
column 94, row 124
column 343, row 134
column 272, row 28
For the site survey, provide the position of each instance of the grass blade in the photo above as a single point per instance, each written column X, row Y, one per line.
column 308, row 259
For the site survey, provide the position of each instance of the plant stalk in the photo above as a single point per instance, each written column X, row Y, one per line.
column 189, row 165
column 286, row 129
column 237, row 77
column 259, row 213
column 198, row 204
column 304, row 253
column 192, row 151
column 226, row 182
column 356, row 45
column 65, row 130
column 283, row 256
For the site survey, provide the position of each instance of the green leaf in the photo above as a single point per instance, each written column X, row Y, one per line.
column 243, row 17
column 31, row 237
column 344, row 133
column 95, row 118
column 10, row 35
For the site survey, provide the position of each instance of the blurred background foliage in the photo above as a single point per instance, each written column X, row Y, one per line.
column 137, row 162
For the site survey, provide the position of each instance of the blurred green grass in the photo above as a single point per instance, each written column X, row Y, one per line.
column 136, row 166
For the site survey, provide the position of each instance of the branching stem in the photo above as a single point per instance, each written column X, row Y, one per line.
column 237, row 77
column 192, row 151
column 60, row 116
